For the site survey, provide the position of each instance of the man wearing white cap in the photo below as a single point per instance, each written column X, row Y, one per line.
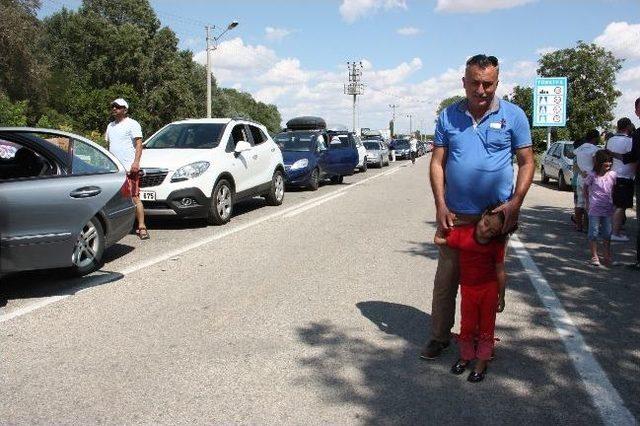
column 124, row 136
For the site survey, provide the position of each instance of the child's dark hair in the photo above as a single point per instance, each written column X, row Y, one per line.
column 489, row 211
column 599, row 158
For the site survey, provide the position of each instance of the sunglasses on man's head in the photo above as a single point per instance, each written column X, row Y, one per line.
column 483, row 60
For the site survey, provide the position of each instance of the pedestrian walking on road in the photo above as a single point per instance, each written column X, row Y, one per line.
column 483, row 279
column 598, row 191
column 471, row 168
column 124, row 136
column 621, row 143
column 413, row 148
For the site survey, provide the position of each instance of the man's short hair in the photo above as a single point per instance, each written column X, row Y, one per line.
column 591, row 135
column 482, row 61
column 624, row 124
column 637, row 103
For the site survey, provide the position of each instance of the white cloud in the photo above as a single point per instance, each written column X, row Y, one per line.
column 276, row 34
column 631, row 75
column 352, row 10
column 270, row 93
column 233, row 58
column 285, row 71
column 544, row 50
column 622, row 39
column 520, row 70
column 409, row 31
column 477, row 6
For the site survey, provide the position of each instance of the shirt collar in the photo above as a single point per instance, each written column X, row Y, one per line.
column 494, row 107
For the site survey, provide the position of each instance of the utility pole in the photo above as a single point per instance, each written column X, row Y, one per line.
column 410, row 123
column 231, row 26
column 207, row 28
column 354, row 87
column 393, row 117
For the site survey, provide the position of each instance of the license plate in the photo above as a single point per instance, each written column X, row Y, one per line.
column 148, row 195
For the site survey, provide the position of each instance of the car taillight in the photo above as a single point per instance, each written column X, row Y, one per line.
column 125, row 190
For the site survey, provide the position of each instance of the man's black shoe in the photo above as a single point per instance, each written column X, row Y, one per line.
column 433, row 349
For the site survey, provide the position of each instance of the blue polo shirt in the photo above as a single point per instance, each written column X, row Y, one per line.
column 479, row 167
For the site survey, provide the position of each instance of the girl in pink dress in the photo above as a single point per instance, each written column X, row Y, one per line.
column 598, row 189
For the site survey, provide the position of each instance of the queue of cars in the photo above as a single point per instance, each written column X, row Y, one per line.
column 64, row 198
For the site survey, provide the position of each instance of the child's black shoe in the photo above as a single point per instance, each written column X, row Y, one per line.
column 459, row 367
column 475, row 377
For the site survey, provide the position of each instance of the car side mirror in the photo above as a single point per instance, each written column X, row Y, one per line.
column 241, row 147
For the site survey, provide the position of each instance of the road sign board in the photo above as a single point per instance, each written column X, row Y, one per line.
column 550, row 102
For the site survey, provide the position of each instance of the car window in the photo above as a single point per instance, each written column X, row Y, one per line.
column 238, row 133
column 187, row 136
column 568, row 151
column 258, row 135
column 372, row 145
column 344, row 142
column 89, row 160
column 296, row 141
column 18, row 161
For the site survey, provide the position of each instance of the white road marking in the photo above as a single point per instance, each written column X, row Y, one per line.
column 603, row 395
column 99, row 279
column 312, row 205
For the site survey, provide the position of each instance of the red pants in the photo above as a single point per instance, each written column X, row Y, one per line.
column 479, row 306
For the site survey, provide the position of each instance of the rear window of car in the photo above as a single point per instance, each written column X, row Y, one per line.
column 568, row 151
column 187, row 136
column 371, row 145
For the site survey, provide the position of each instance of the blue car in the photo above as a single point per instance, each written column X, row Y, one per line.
column 309, row 157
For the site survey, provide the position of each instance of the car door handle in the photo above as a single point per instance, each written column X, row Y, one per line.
column 85, row 192
column 255, row 157
column 273, row 150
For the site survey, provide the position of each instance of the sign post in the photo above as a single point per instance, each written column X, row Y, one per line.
column 550, row 103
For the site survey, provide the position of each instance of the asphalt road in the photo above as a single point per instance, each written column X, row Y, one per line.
column 314, row 312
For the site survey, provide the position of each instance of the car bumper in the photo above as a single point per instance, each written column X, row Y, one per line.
column 298, row 177
column 185, row 202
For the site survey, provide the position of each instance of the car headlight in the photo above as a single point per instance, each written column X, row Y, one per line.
column 300, row 164
column 190, row 171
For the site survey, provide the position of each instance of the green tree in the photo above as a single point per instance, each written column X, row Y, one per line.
column 23, row 62
column 447, row 102
column 12, row 113
column 591, row 74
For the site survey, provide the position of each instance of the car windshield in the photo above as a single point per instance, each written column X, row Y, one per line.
column 296, row 142
column 372, row 145
column 402, row 144
column 568, row 151
column 187, row 136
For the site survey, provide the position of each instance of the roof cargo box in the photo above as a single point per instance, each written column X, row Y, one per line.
column 306, row 123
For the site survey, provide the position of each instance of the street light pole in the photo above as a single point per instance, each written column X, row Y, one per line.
column 231, row 26
column 410, row 123
column 208, row 27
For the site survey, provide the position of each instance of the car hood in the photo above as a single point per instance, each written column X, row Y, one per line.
column 172, row 159
column 290, row 157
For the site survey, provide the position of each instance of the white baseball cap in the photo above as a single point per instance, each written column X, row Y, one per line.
column 121, row 102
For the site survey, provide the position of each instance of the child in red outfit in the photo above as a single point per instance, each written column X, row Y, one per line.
column 481, row 250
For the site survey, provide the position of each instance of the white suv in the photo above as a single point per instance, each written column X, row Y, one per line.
column 199, row 168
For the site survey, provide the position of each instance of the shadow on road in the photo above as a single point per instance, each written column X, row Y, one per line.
column 391, row 385
column 47, row 283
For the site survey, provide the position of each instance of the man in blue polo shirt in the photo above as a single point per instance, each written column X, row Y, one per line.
column 471, row 169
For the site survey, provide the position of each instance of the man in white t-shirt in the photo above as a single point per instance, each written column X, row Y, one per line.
column 413, row 147
column 124, row 136
column 621, row 143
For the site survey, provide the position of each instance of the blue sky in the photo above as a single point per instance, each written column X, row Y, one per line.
column 294, row 53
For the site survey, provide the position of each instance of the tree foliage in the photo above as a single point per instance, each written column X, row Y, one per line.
column 591, row 74
column 70, row 66
column 447, row 102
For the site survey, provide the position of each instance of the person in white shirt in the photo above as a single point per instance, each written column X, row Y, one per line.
column 584, row 151
column 623, row 189
column 124, row 136
column 413, row 148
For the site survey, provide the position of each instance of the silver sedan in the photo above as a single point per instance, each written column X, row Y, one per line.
column 377, row 153
column 62, row 201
